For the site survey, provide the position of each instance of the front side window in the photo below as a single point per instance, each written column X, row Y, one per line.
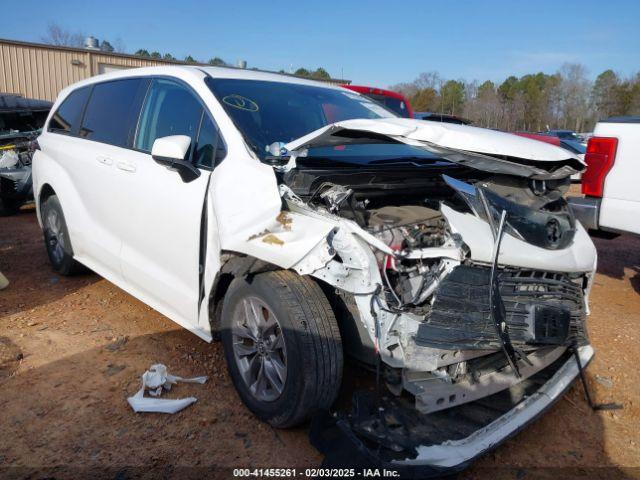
column 267, row 112
column 170, row 109
column 66, row 118
column 210, row 149
column 111, row 110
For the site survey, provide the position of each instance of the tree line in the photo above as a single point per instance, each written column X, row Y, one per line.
column 57, row 35
column 566, row 99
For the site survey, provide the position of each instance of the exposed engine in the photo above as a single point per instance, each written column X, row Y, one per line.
column 432, row 275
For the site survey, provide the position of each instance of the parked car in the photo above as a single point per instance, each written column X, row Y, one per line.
column 573, row 146
column 611, row 201
column 20, row 122
column 392, row 100
column 442, row 256
column 441, row 117
column 565, row 135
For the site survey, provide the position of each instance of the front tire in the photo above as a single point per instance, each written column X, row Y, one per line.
column 56, row 238
column 282, row 346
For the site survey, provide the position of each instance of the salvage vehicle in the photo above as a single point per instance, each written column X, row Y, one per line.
column 21, row 120
column 442, row 257
column 611, row 200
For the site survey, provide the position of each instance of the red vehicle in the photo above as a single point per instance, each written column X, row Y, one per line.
column 543, row 138
column 392, row 100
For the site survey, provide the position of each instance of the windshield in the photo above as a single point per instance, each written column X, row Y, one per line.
column 269, row 112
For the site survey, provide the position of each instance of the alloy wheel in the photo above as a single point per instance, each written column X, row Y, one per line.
column 259, row 349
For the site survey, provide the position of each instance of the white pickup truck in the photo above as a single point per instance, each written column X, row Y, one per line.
column 611, row 201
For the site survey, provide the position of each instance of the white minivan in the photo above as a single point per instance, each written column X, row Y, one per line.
column 301, row 222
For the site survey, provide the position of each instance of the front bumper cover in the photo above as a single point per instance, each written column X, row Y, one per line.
column 449, row 456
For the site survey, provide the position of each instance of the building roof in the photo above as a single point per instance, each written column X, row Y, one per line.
column 160, row 60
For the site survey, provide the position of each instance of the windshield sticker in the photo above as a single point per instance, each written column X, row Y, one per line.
column 242, row 103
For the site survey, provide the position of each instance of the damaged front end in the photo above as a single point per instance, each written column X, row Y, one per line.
column 20, row 123
column 463, row 275
column 16, row 185
column 469, row 284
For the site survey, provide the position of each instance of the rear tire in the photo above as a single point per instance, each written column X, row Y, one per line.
column 299, row 351
column 56, row 238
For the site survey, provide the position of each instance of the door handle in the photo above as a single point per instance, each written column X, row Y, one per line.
column 104, row 160
column 126, row 166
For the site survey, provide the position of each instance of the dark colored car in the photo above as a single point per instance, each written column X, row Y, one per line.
column 21, row 120
column 564, row 135
column 392, row 100
column 441, row 117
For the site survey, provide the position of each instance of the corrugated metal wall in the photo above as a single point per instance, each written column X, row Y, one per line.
column 34, row 70
column 41, row 71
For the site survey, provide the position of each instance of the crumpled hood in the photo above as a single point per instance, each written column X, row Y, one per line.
column 480, row 148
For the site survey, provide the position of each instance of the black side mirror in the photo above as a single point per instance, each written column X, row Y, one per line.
column 170, row 152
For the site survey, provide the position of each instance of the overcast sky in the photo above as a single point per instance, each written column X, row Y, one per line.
column 374, row 43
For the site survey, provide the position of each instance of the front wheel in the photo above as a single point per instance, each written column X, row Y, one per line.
column 282, row 346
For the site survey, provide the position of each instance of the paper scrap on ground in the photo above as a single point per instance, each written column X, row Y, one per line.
column 157, row 379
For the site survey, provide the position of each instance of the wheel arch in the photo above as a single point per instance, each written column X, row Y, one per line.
column 356, row 340
column 46, row 191
column 233, row 265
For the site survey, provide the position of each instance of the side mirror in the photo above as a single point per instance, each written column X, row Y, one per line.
column 170, row 152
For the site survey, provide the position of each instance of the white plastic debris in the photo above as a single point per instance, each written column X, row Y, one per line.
column 157, row 379
column 9, row 159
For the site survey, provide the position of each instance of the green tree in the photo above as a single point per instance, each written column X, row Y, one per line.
column 302, row 72
column 168, row 56
column 488, row 88
column 321, row 73
column 155, row 54
column 217, row 62
column 142, row 53
column 507, row 89
column 606, row 94
column 190, row 59
column 452, row 97
column 424, row 100
column 105, row 46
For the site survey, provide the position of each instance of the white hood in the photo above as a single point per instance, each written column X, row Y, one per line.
column 476, row 147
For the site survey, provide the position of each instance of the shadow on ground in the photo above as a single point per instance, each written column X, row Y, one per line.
column 619, row 254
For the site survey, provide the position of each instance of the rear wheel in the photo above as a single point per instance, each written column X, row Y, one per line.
column 282, row 346
column 56, row 238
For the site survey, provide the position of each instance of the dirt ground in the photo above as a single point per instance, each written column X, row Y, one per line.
column 72, row 350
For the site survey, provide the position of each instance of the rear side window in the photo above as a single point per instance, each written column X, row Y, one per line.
column 67, row 117
column 112, row 111
column 170, row 109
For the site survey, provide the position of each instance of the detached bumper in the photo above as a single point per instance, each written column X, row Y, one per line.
column 586, row 210
column 460, row 453
column 347, row 441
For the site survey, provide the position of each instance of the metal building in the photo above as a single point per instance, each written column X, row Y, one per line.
column 36, row 70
